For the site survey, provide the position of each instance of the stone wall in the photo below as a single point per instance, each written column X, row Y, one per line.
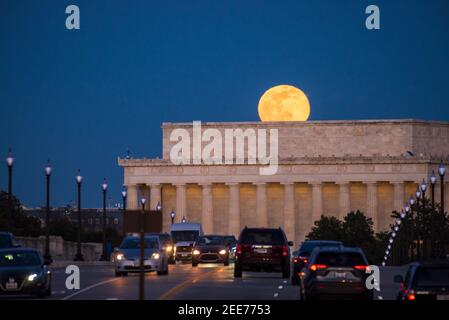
column 339, row 138
column 63, row 250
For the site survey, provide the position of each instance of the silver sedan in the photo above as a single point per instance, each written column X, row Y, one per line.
column 127, row 256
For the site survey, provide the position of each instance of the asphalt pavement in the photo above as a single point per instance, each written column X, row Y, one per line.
column 205, row 282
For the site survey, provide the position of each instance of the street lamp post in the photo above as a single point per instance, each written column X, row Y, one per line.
column 172, row 216
column 79, row 254
column 124, row 197
column 411, row 202
column 418, row 195
column 433, row 181
column 104, row 187
column 158, row 207
column 442, row 172
column 10, row 164
column 142, row 252
column 47, row 256
column 423, row 188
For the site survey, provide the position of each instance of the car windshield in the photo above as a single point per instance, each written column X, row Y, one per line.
column 134, row 243
column 340, row 259
column 164, row 238
column 5, row 241
column 213, row 240
column 22, row 258
column 432, row 277
column 186, row 235
column 308, row 246
column 263, row 237
column 230, row 240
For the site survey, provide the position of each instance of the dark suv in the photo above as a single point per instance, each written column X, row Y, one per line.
column 300, row 257
column 425, row 281
column 262, row 249
column 335, row 272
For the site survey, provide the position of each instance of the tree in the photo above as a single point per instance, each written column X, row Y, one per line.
column 356, row 230
column 13, row 218
column 326, row 228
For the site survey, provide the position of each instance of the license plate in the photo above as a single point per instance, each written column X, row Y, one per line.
column 11, row 285
column 184, row 254
column 443, row 297
column 260, row 250
column 340, row 275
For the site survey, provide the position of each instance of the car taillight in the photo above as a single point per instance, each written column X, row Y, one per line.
column 315, row 267
column 362, row 268
column 295, row 260
column 238, row 250
column 284, row 251
column 411, row 296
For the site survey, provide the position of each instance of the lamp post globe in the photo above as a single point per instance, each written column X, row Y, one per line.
column 423, row 186
column 172, row 216
column 158, row 207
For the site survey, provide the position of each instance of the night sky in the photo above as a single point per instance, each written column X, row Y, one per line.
column 82, row 98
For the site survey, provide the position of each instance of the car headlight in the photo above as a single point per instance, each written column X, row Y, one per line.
column 196, row 252
column 32, row 277
column 155, row 256
column 120, row 256
column 169, row 248
column 222, row 252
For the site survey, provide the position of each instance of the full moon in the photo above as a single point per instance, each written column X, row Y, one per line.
column 284, row 103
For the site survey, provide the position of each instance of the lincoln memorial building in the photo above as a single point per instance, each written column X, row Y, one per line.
column 324, row 168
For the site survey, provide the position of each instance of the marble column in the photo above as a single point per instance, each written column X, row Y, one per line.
column 207, row 217
column 371, row 203
column 131, row 198
column 399, row 195
column 317, row 201
column 234, row 209
column 345, row 199
column 289, row 211
column 155, row 196
column 261, row 205
column 181, row 204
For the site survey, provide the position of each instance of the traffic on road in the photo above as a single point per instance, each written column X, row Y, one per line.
column 187, row 264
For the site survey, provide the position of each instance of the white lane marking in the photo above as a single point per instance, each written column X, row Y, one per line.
column 280, row 287
column 285, row 281
column 90, row 287
column 62, row 291
column 276, row 295
column 112, row 299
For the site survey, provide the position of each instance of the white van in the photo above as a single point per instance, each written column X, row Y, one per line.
column 184, row 235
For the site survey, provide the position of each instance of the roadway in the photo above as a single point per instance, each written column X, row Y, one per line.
column 205, row 282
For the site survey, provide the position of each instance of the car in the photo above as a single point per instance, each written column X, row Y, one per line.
column 232, row 243
column 210, row 249
column 301, row 256
column 335, row 272
column 127, row 256
column 168, row 245
column 262, row 249
column 23, row 272
column 7, row 240
column 184, row 235
column 425, row 281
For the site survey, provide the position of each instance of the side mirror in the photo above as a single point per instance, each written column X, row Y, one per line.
column 290, row 243
column 398, row 279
